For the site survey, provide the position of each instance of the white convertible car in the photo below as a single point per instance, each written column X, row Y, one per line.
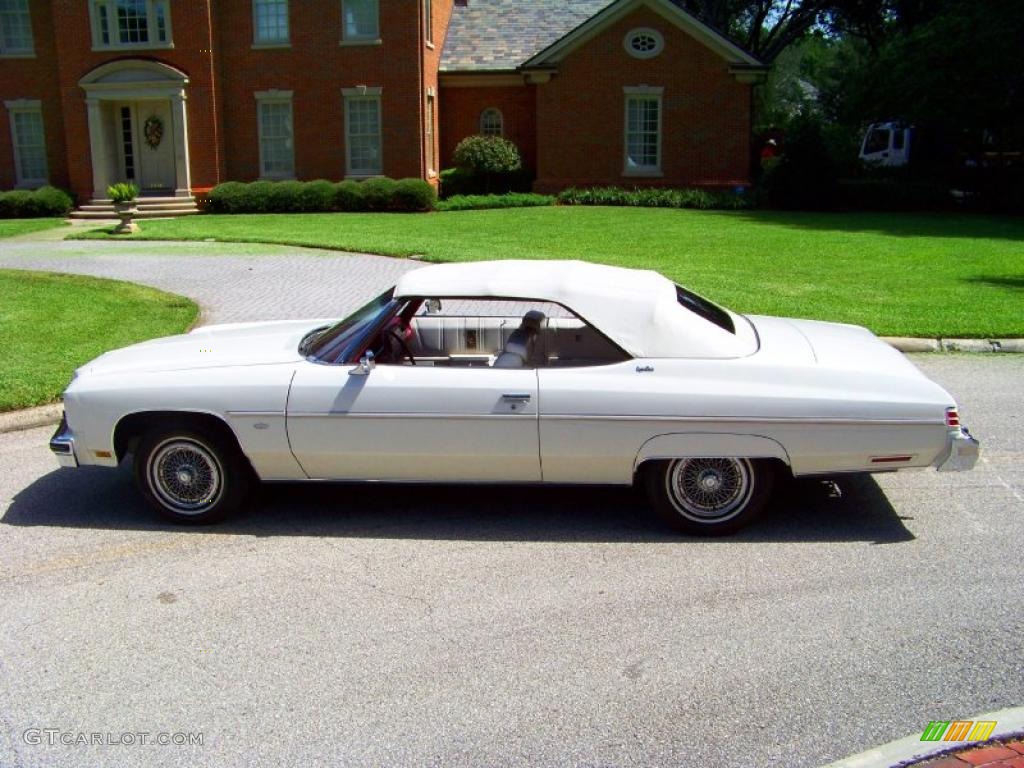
column 513, row 372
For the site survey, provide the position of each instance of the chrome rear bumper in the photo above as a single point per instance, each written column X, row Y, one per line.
column 63, row 445
column 963, row 452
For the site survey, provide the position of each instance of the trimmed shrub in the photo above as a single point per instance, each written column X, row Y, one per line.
column 457, row 181
column 38, row 203
column 655, row 197
column 226, row 197
column 378, row 193
column 413, row 195
column 316, row 196
column 485, row 155
column 348, row 196
column 285, row 197
column 485, row 165
column 510, row 200
column 255, row 198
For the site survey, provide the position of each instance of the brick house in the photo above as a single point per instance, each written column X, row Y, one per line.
column 179, row 95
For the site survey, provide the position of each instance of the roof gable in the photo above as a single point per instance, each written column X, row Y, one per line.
column 670, row 11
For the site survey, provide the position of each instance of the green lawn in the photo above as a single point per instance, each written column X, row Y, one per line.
column 50, row 324
column 12, row 227
column 898, row 274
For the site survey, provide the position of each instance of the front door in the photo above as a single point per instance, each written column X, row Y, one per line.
column 154, row 147
column 422, row 422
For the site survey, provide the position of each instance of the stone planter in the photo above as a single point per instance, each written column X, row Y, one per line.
column 126, row 212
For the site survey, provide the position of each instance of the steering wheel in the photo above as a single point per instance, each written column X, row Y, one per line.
column 395, row 333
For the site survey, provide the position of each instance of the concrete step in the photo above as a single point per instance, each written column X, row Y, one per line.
column 149, row 208
column 107, row 215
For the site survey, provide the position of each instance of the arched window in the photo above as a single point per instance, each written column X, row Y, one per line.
column 491, row 122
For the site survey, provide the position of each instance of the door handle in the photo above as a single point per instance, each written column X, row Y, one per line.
column 516, row 397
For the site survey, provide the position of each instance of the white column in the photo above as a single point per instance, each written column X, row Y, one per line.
column 98, row 148
column 182, row 175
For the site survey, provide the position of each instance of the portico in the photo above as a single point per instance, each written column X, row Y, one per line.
column 138, row 127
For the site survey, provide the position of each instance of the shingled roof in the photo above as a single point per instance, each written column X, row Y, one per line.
column 488, row 35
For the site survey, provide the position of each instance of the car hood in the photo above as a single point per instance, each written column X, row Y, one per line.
column 211, row 346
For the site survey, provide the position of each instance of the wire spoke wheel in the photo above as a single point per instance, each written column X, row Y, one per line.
column 185, row 475
column 710, row 490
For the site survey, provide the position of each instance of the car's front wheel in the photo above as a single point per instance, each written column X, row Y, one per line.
column 191, row 475
column 709, row 496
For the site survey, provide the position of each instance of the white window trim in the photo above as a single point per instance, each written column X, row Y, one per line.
column 274, row 97
column 362, row 92
column 23, row 106
column 363, row 39
column 501, row 121
column 257, row 43
column 659, row 43
column 152, row 45
column 645, row 91
column 428, row 23
column 430, row 108
column 23, row 53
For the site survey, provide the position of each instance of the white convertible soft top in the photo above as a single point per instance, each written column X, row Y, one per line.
column 637, row 309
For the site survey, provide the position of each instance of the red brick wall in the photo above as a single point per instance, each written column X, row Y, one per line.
column 35, row 79
column 75, row 58
column 570, row 129
column 581, row 112
column 315, row 68
column 460, row 117
column 440, row 16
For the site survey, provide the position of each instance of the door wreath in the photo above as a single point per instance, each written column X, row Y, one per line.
column 153, row 129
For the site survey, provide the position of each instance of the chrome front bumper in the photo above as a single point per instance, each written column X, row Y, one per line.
column 63, row 445
column 963, row 452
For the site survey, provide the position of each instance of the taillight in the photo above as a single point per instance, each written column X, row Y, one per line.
column 952, row 418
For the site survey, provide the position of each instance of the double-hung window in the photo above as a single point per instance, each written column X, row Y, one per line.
column 277, row 145
column 270, row 22
column 362, row 132
column 642, row 131
column 29, row 142
column 130, row 23
column 360, row 20
column 15, row 28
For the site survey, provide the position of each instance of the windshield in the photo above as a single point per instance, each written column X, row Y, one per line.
column 337, row 343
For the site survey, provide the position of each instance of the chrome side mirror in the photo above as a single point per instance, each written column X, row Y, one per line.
column 366, row 364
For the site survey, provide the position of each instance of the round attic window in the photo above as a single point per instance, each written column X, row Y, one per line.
column 643, row 43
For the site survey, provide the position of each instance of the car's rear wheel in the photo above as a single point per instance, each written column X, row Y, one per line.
column 709, row 496
column 191, row 475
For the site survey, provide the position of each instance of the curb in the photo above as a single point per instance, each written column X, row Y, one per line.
column 30, row 418
column 909, row 750
column 911, row 344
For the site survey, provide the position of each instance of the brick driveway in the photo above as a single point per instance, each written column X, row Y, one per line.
column 232, row 282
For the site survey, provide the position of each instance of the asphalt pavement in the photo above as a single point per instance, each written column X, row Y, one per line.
column 384, row 625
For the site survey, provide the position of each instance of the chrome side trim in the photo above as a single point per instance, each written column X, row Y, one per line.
column 439, row 415
column 742, row 419
column 254, row 413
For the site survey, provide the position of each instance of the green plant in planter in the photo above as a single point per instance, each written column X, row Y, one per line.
column 123, row 195
column 122, row 192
